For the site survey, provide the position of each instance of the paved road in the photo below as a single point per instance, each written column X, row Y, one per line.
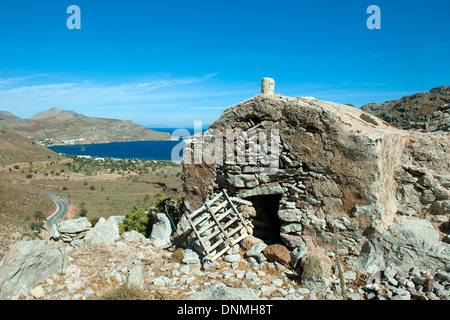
column 61, row 209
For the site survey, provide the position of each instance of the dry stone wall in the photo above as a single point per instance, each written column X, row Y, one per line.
column 342, row 176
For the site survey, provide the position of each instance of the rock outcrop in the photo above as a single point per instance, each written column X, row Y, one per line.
column 414, row 111
column 162, row 229
column 27, row 263
column 105, row 231
column 79, row 232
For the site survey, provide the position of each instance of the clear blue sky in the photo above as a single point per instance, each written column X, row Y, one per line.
column 169, row 63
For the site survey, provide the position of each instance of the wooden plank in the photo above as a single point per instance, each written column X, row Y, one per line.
column 206, row 227
column 217, row 222
column 214, row 199
column 198, row 236
column 219, row 207
column 232, row 232
column 201, row 219
column 212, row 235
column 235, row 210
column 203, row 207
column 210, row 224
column 229, row 223
column 234, row 242
column 194, row 213
column 240, row 239
column 210, row 220
column 216, row 244
column 220, row 253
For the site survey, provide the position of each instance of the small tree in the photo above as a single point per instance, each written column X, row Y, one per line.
column 38, row 224
column 38, row 216
column 138, row 220
column 83, row 211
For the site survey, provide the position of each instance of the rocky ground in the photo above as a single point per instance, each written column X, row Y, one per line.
column 170, row 273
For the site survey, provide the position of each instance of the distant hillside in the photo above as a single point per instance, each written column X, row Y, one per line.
column 410, row 110
column 16, row 149
column 5, row 115
column 63, row 125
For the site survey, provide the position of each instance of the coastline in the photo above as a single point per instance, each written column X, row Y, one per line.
column 106, row 142
column 159, row 150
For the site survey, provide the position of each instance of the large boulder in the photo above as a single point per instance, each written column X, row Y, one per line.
column 74, row 225
column 316, row 270
column 26, row 264
column 278, row 253
column 104, row 232
column 410, row 242
column 162, row 229
column 135, row 278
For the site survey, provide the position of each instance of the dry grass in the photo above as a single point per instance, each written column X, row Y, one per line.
column 177, row 256
column 124, row 292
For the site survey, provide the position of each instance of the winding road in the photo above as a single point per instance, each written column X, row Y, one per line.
column 61, row 209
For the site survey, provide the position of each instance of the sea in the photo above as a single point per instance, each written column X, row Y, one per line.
column 154, row 150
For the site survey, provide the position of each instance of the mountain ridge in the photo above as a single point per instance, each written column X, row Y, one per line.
column 59, row 126
column 55, row 112
column 409, row 110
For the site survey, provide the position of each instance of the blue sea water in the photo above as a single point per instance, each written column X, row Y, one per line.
column 155, row 150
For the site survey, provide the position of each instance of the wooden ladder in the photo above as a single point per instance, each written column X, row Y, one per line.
column 218, row 225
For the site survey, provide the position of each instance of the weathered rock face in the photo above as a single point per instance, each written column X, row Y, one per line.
column 410, row 242
column 162, row 229
column 341, row 176
column 105, row 231
column 27, row 263
column 415, row 110
column 71, row 231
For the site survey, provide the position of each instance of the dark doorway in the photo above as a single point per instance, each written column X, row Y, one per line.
column 266, row 223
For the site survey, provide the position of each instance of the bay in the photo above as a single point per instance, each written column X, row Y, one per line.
column 154, row 150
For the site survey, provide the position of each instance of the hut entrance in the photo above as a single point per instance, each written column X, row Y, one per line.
column 266, row 223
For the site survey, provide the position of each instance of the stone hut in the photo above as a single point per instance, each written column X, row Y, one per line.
column 336, row 178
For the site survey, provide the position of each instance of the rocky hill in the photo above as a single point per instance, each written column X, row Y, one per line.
column 5, row 115
column 15, row 148
column 65, row 126
column 420, row 110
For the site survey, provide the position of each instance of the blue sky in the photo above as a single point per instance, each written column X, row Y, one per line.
column 170, row 63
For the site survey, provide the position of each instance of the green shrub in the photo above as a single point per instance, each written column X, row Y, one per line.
column 141, row 217
column 83, row 211
column 37, row 226
column 39, row 216
column 94, row 221
column 368, row 119
column 138, row 220
column 29, row 176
